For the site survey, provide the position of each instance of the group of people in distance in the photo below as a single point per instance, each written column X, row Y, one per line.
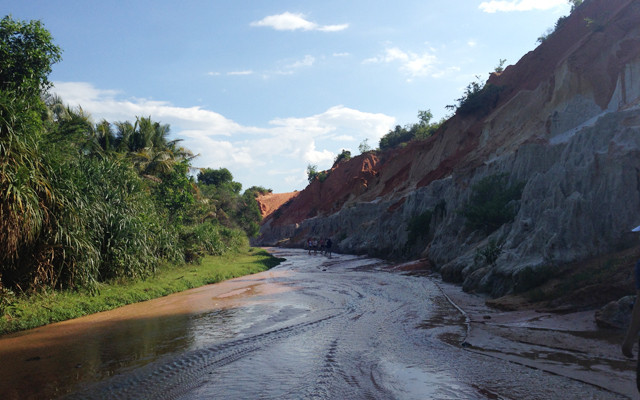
column 321, row 245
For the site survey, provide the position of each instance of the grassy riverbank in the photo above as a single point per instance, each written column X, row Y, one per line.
column 26, row 312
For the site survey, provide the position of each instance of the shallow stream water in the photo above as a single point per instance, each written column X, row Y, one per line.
column 314, row 327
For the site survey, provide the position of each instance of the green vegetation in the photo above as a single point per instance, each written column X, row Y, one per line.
column 313, row 174
column 418, row 131
column 574, row 4
column 223, row 203
column 345, row 155
column 22, row 312
column 478, row 98
column 418, row 226
column 489, row 254
column 85, row 203
column 364, row 147
column 493, row 203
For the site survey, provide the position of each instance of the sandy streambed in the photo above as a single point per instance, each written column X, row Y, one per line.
column 313, row 327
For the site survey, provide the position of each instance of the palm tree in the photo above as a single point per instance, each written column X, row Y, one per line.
column 124, row 132
column 105, row 136
column 149, row 148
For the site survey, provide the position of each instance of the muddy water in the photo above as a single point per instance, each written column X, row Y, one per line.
column 312, row 327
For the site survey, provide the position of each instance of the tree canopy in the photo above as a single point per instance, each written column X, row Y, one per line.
column 215, row 177
column 27, row 53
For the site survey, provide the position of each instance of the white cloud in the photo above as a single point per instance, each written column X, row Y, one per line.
column 307, row 61
column 454, row 70
column 290, row 69
column 106, row 104
column 314, row 156
column 240, row 73
column 336, row 120
column 290, row 22
column 284, row 144
column 413, row 64
column 345, row 54
column 520, row 5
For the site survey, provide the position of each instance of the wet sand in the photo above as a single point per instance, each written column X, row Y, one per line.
column 315, row 327
column 570, row 344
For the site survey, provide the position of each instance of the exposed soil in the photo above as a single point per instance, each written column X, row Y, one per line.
column 270, row 202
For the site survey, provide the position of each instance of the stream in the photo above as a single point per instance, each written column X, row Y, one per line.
column 314, row 327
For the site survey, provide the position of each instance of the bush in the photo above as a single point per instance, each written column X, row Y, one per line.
column 478, row 99
column 493, row 203
column 345, row 155
column 402, row 135
column 364, row 147
column 205, row 239
column 313, row 174
column 258, row 190
column 395, row 137
column 489, row 254
column 418, row 226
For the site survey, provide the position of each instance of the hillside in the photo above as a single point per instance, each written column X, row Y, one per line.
column 562, row 126
column 270, row 202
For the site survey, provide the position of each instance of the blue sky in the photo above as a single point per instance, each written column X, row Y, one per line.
column 265, row 88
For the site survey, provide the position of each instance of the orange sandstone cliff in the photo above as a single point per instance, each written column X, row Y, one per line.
column 565, row 123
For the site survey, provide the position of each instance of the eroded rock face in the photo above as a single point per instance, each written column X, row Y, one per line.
column 567, row 125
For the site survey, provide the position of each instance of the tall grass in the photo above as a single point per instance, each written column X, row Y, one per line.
column 26, row 312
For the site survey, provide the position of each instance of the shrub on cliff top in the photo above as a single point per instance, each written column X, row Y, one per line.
column 313, row 174
column 345, row 155
column 478, row 99
column 421, row 130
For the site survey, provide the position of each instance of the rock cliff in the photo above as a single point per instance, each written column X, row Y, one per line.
column 564, row 125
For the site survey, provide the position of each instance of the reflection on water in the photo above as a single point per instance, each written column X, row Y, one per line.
column 311, row 328
column 51, row 361
column 51, row 365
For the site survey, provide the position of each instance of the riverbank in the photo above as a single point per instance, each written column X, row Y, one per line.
column 568, row 343
column 27, row 312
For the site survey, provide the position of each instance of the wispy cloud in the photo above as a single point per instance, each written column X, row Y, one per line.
column 240, row 73
column 250, row 152
column 284, row 69
column 413, row 64
column 291, row 22
column 520, row 5
column 307, row 61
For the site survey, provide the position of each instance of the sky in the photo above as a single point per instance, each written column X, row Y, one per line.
column 266, row 88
